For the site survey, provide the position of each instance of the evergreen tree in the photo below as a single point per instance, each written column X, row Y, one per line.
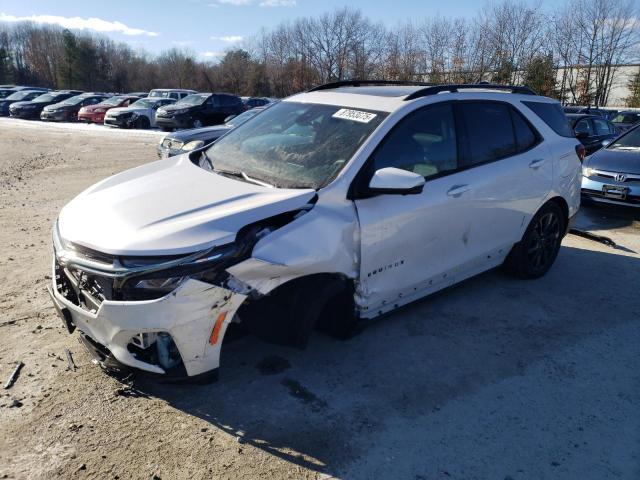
column 633, row 100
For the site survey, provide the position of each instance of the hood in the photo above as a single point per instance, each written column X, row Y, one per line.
column 58, row 106
column 170, row 207
column 200, row 133
column 119, row 110
column 173, row 106
column 21, row 104
column 91, row 108
column 616, row 160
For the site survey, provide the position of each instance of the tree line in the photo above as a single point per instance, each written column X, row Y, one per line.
column 572, row 52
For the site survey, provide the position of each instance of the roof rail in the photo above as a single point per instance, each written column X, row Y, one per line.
column 364, row 83
column 453, row 88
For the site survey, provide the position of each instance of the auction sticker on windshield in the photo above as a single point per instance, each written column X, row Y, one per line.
column 354, row 115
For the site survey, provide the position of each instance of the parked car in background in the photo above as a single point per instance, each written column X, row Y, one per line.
column 7, row 90
column 612, row 175
column 328, row 209
column 95, row 113
column 610, row 113
column 594, row 132
column 67, row 110
column 184, row 141
column 586, row 110
column 19, row 96
column 140, row 114
column 198, row 110
column 175, row 93
column 138, row 94
column 252, row 102
column 33, row 108
column 626, row 119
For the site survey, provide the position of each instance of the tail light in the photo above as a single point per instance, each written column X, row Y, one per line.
column 581, row 151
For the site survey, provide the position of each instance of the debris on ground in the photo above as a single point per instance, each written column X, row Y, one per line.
column 14, row 376
column 15, row 403
column 592, row 236
column 72, row 365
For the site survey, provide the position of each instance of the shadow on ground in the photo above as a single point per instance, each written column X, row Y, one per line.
column 328, row 406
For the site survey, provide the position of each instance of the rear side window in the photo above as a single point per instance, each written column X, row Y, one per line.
column 602, row 126
column 489, row 132
column 526, row 137
column 553, row 116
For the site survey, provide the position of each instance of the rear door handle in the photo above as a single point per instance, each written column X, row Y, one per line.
column 537, row 163
column 457, row 190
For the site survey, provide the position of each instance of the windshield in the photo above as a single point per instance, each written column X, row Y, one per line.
column 113, row 101
column 625, row 118
column 190, row 100
column 5, row 92
column 628, row 141
column 144, row 103
column 243, row 117
column 73, row 100
column 295, row 145
column 47, row 97
column 19, row 95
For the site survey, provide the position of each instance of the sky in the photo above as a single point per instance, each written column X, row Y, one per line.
column 208, row 27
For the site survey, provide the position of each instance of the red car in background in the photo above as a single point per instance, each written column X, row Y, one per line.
column 95, row 113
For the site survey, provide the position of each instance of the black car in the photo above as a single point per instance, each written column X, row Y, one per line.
column 626, row 119
column 184, row 141
column 198, row 110
column 67, row 110
column 33, row 108
column 6, row 90
column 253, row 102
column 593, row 131
column 19, row 96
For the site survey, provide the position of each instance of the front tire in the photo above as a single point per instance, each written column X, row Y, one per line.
column 534, row 255
column 196, row 123
column 142, row 122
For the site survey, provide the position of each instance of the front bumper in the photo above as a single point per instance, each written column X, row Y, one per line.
column 178, row 121
column 194, row 315
column 600, row 190
column 91, row 117
column 123, row 122
column 25, row 113
column 56, row 116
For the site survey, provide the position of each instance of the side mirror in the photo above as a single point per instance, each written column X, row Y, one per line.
column 582, row 134
column 396, row 181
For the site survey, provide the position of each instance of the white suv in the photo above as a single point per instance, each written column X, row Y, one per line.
column 332, row 207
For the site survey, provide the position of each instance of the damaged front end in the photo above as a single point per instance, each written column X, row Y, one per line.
column 163, row 315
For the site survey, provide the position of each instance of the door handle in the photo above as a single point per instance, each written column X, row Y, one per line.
column 537, row 163
column 457, row 190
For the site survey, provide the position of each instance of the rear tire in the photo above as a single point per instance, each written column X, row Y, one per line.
column 534, row 255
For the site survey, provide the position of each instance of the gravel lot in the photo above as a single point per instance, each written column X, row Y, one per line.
column 493, row 379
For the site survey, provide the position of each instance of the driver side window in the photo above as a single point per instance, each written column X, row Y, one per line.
column 423, row 143
column 584, row 126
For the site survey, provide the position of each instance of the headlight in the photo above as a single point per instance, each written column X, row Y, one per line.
column 159, row 284
column 162, row 111
column 587, row 172
column 180, row 111
column 99, row 110
column 192, row 145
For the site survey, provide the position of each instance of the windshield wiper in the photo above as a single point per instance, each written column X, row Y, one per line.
column 244, row 176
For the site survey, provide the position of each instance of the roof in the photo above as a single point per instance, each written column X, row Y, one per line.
column 391, row 96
